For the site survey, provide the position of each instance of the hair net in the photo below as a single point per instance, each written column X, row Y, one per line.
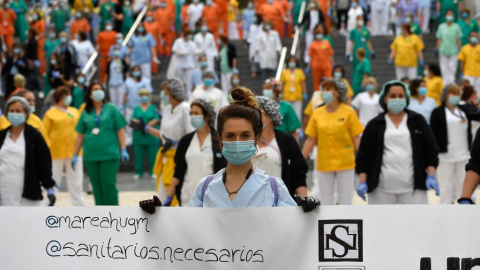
column 22, row 101
column 176, row 87
column 271, row 108
column 342, row 90
column 387, row 86
column 207, row 106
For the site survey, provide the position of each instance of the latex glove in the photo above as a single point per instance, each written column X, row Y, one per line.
column 436, row 53
column 56, row 74
column 465, row 201
column 149, row 205
column 308, row 69
column 307, row 203
column 155, row 59
column 168, row 201
column 390, row 62
column 373, row 55
column 74, row 161
column 430, row 183
column 137, row 125
column 362, row 189
column 37, row 63
column 167, row 143
column 122, row 108
column 347, row 58
column 421, row 63
column 235, row 71
column 20, row 62
column 51, row 196
column 300, row 133
column 305, row 96
column 125, row 155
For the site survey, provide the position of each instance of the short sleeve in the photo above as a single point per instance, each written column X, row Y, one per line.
column 151, row 41
column 310, row 49
column 459, row 32
column 439, row 32
column 368, row 35
column 118, row 121
column 301, row 75
column 420, row 45
column 81, row 127
column 475, row 27
column 352, row 35
column 308, row 109
column 355, row 127
column 393, row 47
column 461, row 54
column 311, row 129
column 356, row 102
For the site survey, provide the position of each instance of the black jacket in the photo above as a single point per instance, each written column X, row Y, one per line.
column 438, row 123
column 38, row 163
column 370, row 153
column 306, row 18
column 294, row 166
column 232, row 54
column 6, row 72
column 181, row 165
column 474, row 162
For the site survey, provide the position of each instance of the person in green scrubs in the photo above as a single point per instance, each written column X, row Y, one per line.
column 60, row 16
column 178, row 14
column 297, row 5
column 21, row 25
column 78, row 93
column 101, row 130
column 50, row 43
column 362, row 72
column 144, row 143
column 360, row 38
column 127, row 18
column 467, row 25
column 105, row 14
column 444, row 5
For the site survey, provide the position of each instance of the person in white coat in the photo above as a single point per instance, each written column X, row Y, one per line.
column 379, row 17
column 354, row 11
column 312, row 17
column 268, row 47
column 194, row 12
column 205, row 42
column 209, row 92
column 254, row 30
column 366, row 103
column 184, row 50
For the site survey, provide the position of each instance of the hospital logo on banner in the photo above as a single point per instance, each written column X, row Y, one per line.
column 340, row 240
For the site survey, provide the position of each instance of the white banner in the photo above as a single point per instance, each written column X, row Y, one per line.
column 330, row 238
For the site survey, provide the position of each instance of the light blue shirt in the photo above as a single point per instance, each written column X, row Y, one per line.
column 132, row 88
column 255, row 192
column 425, row 109
column 424, row 3
column 141, row 48
column 116, row 73
column 247, row 16
column 196, row 78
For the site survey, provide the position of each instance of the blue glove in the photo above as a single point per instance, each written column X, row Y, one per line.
column 421, row 63
column 56, row 74
column 20, row 62
column 168, row 143
column 168, row 201
column 430, row 183
column 305, row 96
column 122, row 108
column 125, row 156
column 347, row 58
column 461, row 76
column 373, row 55
column 74, row 161
column 308, row 69
column 51, row 196
column 362, row 189
column 465, row 201
column 37, row 63
column 300, row 133
column 436, row 53
column 390, row 62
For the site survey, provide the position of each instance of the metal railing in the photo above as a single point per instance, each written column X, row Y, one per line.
column 281, row 64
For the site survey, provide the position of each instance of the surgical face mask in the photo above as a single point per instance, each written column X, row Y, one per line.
column 370, row 87
column 163, row 5
column 195, row 1
column 425, row 73
column 53, row 62
column 464, row 15
column 141, row 29
column 292, row 64
column 408, row 20
column 396, row 105
column 119, row 41
column 203, row 64
column 32, row 108
column 78, row 15
column 144, row 99
column 149, row 19
column 208, row 3
column 354, row 5
column 449, row 18
column 204, row 29
column 108, row 27
column 327, row 97
column 63, row 40
column 136, row 74
column 17, row 119
column 453, row 100
column 81, row 80
column 197, row 121
column 474, row 40
column 270, row 1
column 16, row 51
column 208, row 82
column 267, row 93
column 116, row 53
column 98, row 95
column 219, row 42
column 239, row 152
column 127, row 3
column 360, row 23
column 268, row 27
column 318, row 36
column 51, row 35
column 165, row 100
column 35, row 17
column 337, row 75
column 68, row 100
column 250, row 5
column 235, row 81
column 422, row 91
column 77, row 37
column 312, row 5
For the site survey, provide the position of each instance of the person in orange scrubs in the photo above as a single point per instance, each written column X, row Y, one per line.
column 38, row 24
column 152, row 27
column 165, row 18
column 105, row 40
column 325, row 6
column 222, row 6
column 211, row 15
column 80, row 24
column 274, row 12
column 321, row 55
column 7, row 22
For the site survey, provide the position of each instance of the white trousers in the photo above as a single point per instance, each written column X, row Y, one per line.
column 185, row 74
column 324, row 186
column 128, row 130
column 425, row 11
column 74, row 178
column 233, row 31
column 474, row 81
column 410, row 72
column 308, row 42
column 379, row 17
column 450, row 177
column 146, row 69
column 448, row 67
column 116, row 94
column 379, row 196
column 297, row 106
column 226, row 83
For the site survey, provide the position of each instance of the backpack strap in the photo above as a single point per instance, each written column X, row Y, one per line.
column 273, row 184
column 205, row 185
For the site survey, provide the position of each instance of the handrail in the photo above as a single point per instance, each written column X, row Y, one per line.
column 281, row 63
column 298, row 29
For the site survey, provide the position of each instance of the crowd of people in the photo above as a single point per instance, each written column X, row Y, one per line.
column 402, row 138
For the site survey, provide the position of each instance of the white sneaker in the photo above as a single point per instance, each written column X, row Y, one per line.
column 136, row 177
column 41, row 95
column 154, row 176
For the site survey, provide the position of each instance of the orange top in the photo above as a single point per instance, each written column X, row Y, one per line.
column 222, row 5
column 77, row 26
column 153, row 29
column 271, row 12
column 165, row 18
column 259, row 4
column 105, row 40
column 39, row 27
column 211, row 14
column 7, row 21
column 320, row 53
column 15, row 92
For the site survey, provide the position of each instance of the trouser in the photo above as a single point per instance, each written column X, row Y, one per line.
column 146, row 69
column 379, row 17
column 139, row 151
column 226, row 83
column 103, row 176
column 185, row 74
column 32, row 80
column 9, row 39
column 297, row 106
column 474, row 81
column 128, row 130
column 116, row 94
column 74, row 178
column 233, row 31
column 450, row 180
column 409, row 72
column 267, row 73
column 319, row 72
column 103, row 62
column 342, row 18
column 324, row 186
column 224, row 21
column 164, row 169
column 379, row 196
column 425, row 11
column 448, row 68
column 308, row 42
column 165, row 45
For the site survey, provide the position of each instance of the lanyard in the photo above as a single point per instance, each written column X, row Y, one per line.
column 459, row 116
column 274, row 148
column 97, row 117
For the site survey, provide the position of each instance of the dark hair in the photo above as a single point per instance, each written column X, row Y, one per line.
column 60, row 92
column 23, row 92
column 467, row 92
column 407, row 27
column 403, row 79
column 88, row 100
column 389, row 85
column 414, row 85
column 245, row 106
column 259, row 19
column 292, row 57
column 466, row 11
column 325, row 28
column 82, row 35
column 341, row 68
column 32, row 33
column 223, row 38
column 434, row 69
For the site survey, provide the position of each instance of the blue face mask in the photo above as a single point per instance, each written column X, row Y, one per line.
column 422, row 91
column 165, row 100
column 51, row 35
column 68, row 100
column 327, row 97
column 267, row 93
column 204, row 29
column 239, row 152
column 203, row 64
column 17, row 119
column 63, row 40
column 81, row 80
column 219, row 42
column 144, row 99
column 16, row 51
column 453, row 100
column 449, row 18
column 464, row 15
column 337, row 75
column 354, row 5
column 474, row 40
column 116, row 53
column 292, row 65
column 136, row 74
column 319, row 36
column 396, row 105
column 369, row 87
column 208, row 82
column 141, row 29
column 98, row 95
column 197, row 121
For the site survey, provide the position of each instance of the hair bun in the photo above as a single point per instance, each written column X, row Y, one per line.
column 244, row 95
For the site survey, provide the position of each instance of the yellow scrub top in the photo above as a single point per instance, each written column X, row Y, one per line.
column 434, row 88
column 232, row 15
column 60, row 126
column 292, row 84
column 317, row 99
column 406, row 50
column 33, row 121
column 334, row 133
column 470, row 56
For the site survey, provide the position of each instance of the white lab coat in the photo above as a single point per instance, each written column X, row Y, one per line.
column 184, row 63
column 206, row 45
column 268, row 47
column 194, row 12
column 254, row 32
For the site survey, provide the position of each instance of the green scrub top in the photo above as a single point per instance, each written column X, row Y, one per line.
column 48, row 48
column 449, row 35
column 445, row 5
column 21, row 25
column 59, row 18
column 330, row 40
column 362, row 68
column 224, row 67
column 78, row 96
column 467, row 28
column 127, row 20
column 416, row 29
column 297, row 5
column 359, row 39
column 105, row 15
column 103, row 146
column 178, row 15
column 141, row 138
column 290, row 121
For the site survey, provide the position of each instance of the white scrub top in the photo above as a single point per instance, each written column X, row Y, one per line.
column 175, row 124
column 213, row 95
column 367, row 106
column 268, row 46
column 207, row 45
column 184, row 53
column 457, row 128
column 269, row 159
column 194, row 12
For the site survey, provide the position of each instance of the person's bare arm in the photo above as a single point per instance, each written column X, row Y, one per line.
column 392, row 55
column 362, row 178
column 78, row 143
column 306, row 118
column 439, row 41
column 308, row 146
column 173, row 185
column 302, row 191
column 370, row 46
column 431, row 170
column 356, row 142
column 459, row 43
column 472, row 179
column 121, row 138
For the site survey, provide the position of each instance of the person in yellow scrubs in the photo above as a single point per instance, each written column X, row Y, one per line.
column 470, row 61
column 434, row 81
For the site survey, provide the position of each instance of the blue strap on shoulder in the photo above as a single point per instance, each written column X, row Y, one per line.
column 205, row 185
column 273, row 184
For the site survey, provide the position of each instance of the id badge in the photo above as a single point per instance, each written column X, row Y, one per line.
column 95, row 131
column 292, row 90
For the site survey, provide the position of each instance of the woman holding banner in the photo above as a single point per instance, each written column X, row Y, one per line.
column 398, row 156
column 240, row 184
